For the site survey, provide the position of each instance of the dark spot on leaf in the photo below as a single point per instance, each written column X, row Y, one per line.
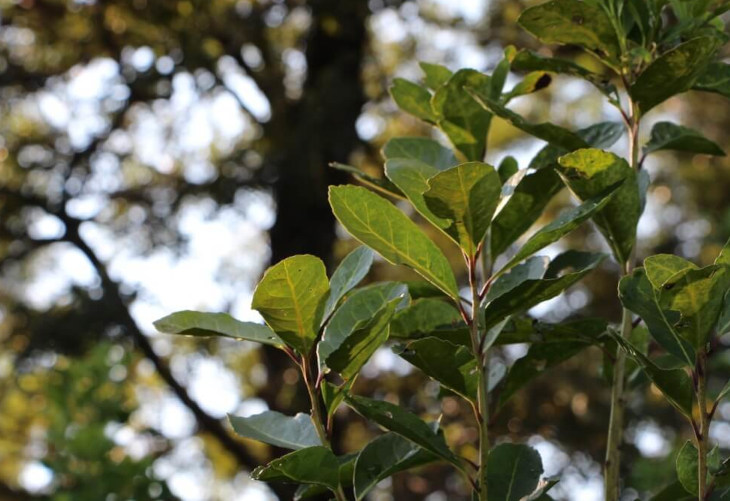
column 543, row 81
column 577, row 19
column 669, row 286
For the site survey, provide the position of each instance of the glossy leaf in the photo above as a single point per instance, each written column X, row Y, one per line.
column 398, row 420
column 670, row 136
column 313, row 465
column 347, row 467
column 529, row 61
column 715, row 78
column 532, row 269
column 600, row 135
column 378, row 224
column 588, row 173
column 464, row 122
column 723, row 321
column 411, row 177
column 513, row 472
column 333, row 395
column 436, row 74
column 697, row 294
column 353, row 268
column 508, row 167
column 673, row 492
column 573, row 22
column 384, row 456
column 561, row 226
column 412, row 98
column 638, row 295
column 201, row 324
column 523, row 208
column 430, row 317
column 359, row 327
column 381, row 184
column 530, row 83
column 423, row 149
column 291, row 298
column 539, row 358
column 673, row 72
column 546, row 131
column 661, row 267
column 274, row 428
column 675, row 384
column 687, row 467
column 451, row 365
column 532, row 292
column 724, row 256
column 466, row 196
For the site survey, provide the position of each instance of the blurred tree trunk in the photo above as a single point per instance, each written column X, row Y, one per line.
column 318, row 129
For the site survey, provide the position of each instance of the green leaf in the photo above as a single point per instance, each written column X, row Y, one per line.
column 291, row 298
column 197, row 323
column 687, row 471
column 429, row 317
column 424, row 150
column 697, row 294
column 451, row 365
column 398, row 420
column 500, row 74
column 274, row 428
column 348, row 274
column 716, row 79
column 723, row 321
column 412, row 98
column 359, row 327
column 673, row 72
column 333, row 395
column 549, row 132
column 523, row 208
column 540, row 357
column 670, row 136
column 436, row 75
column 675, row 384
column 532, row 292
column 467, row 196
column 513, row 472
column 532, row 82
column 532, row 269
column 357, row 349
column 380, row 225
column 561, row 226
column 661, row 267
column 384, row 456
column 588, row 173
column 638, row 295
column 313, row 465
column 600, row 135
column 529, row 61
column 508, row 167
column 575, row 23
column 673, row 492
column 464, row 122
column 347, row 467
column 381, row 184
column 411, row 177
column 724, row 256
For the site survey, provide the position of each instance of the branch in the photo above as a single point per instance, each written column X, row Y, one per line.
column 205, row 421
